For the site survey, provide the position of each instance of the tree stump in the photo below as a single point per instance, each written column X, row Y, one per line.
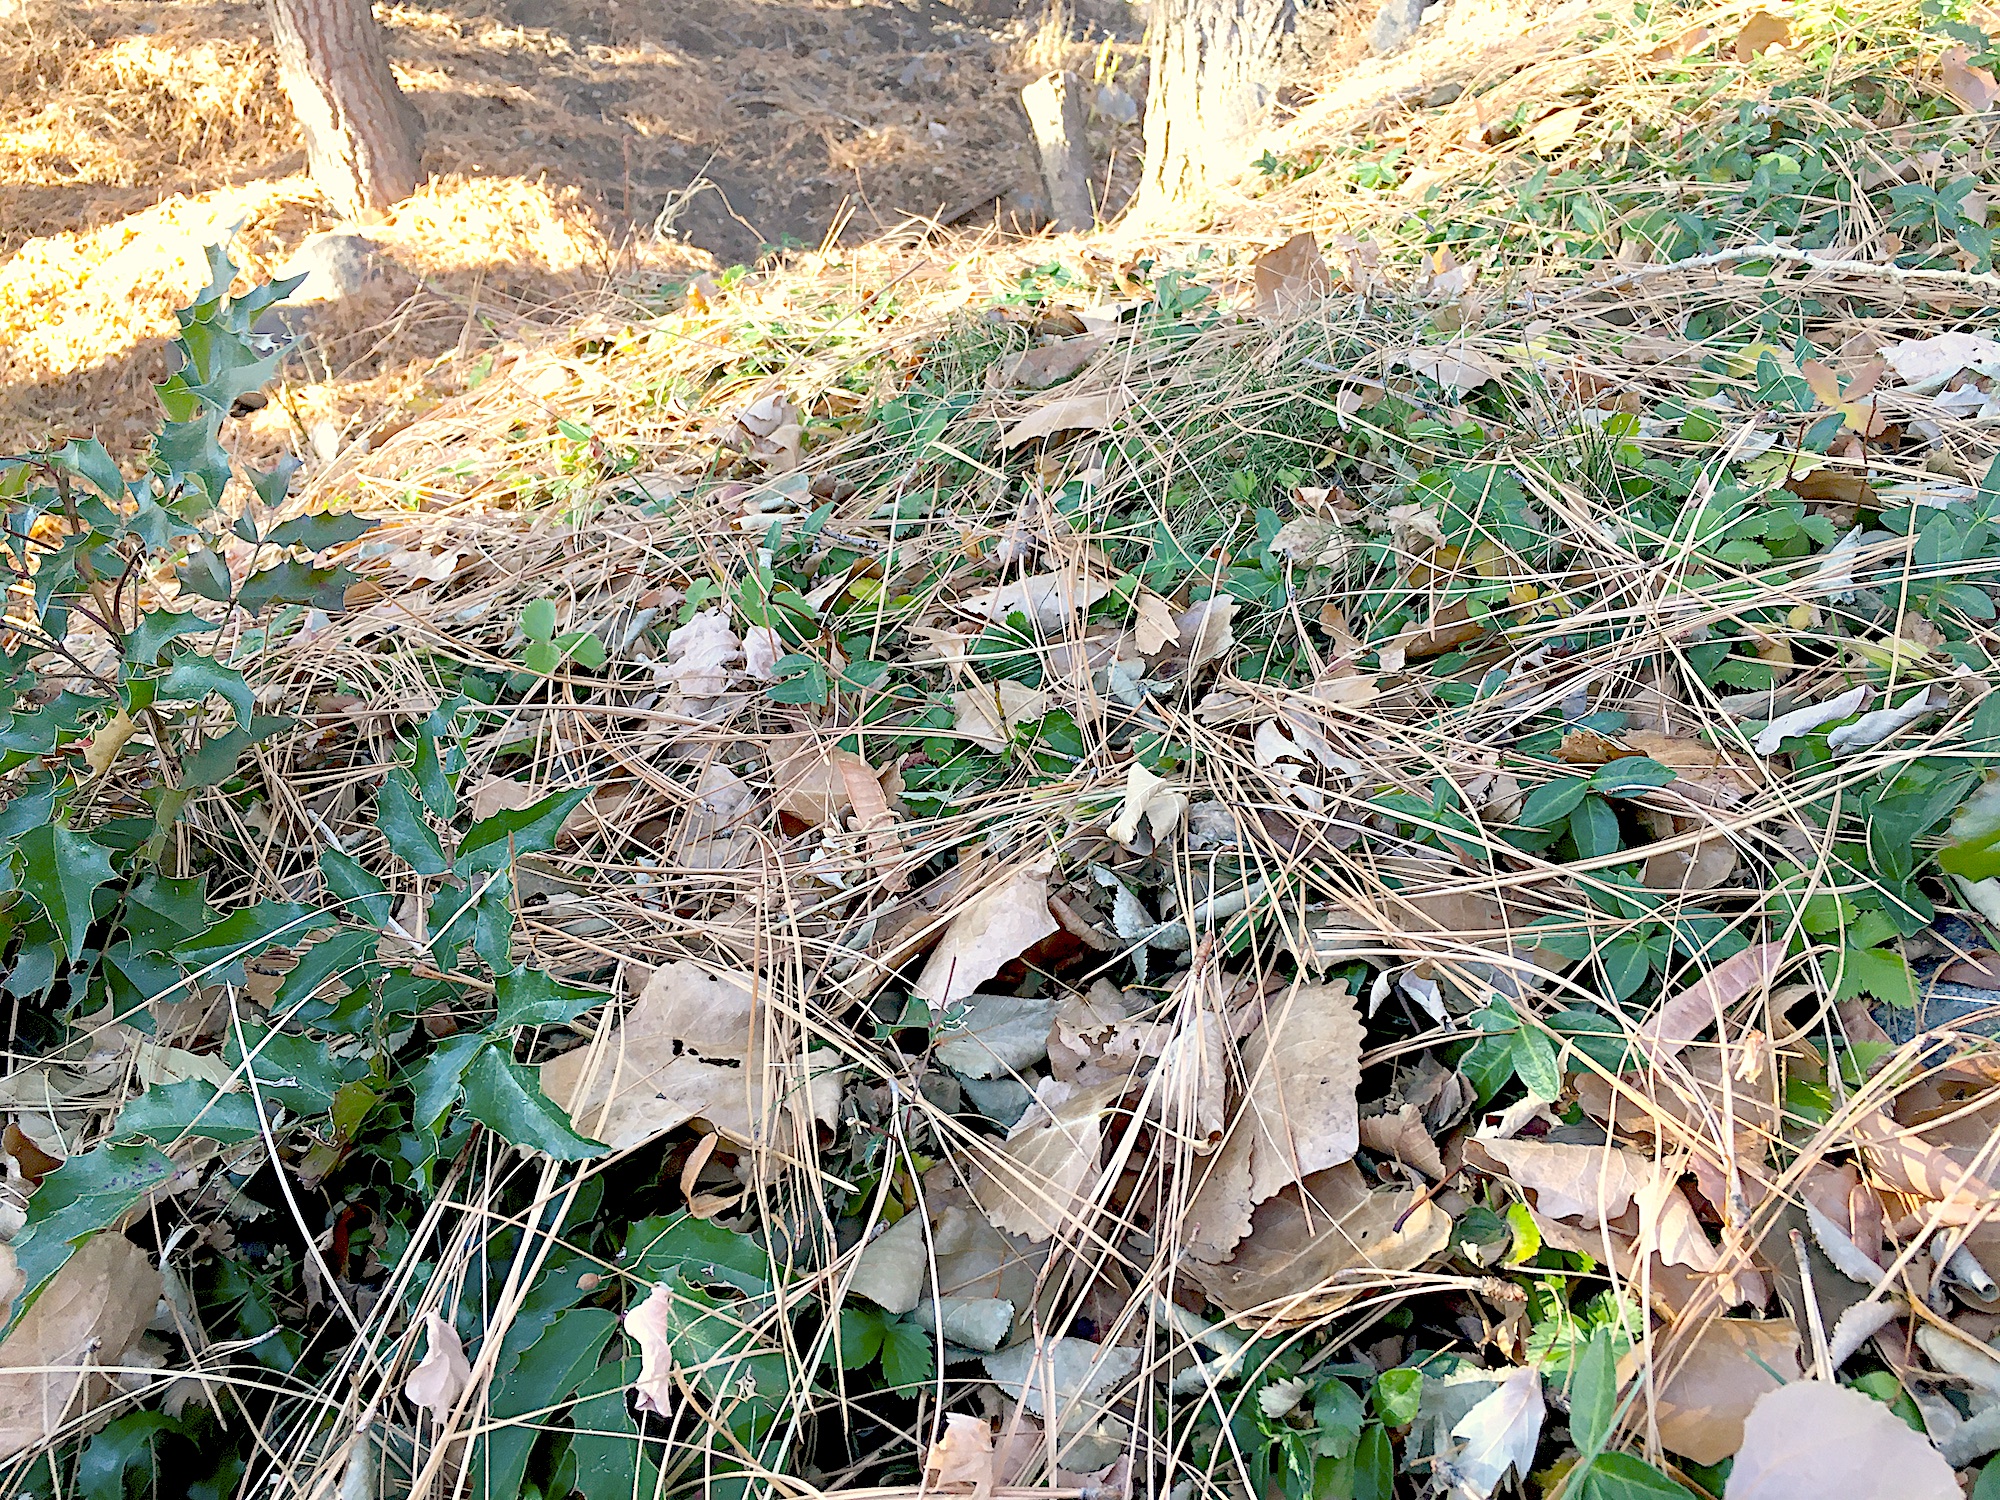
column 1056, row 113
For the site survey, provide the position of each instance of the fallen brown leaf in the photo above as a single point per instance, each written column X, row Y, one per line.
column 997, row 927
column 1706, row 1387
column 1760, row 34
column 1291, row 277
column 1088, row 413
column 1811, row 1440
column 87, row 1316
column 1972, row 89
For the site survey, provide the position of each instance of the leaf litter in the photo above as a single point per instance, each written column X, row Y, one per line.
column 1438, row 945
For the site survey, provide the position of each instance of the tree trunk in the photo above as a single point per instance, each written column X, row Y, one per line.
column 361, row 133
column 1214, row 68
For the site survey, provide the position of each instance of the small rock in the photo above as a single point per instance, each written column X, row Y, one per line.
column 1110, row 102
column 1443, row 94
column 1395, row 24
column 337, row 264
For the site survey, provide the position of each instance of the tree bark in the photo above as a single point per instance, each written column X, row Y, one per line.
column 1215, row 67
column 361, row 133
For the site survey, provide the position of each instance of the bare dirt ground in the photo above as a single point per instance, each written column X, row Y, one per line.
column 574, row 149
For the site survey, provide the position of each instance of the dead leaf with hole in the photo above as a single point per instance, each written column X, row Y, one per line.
column 89, row 1313
column 1760, row 34
column 1292, row 277
column 1095, row 412
column 691, row 1047
column 1705, row 1387
column 437, row 1382
column 1299, row 1114
column 1033, row 1183
column 1811, row 1440
column 996, row 928
column 989, row 714
column 1313, row 1246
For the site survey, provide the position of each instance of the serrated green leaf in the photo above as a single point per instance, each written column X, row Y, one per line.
column 508, row 1100
column 318, row 532
column 860, row 1337
column 1552, row 801
column 477, row 912
column 401, row 820
column 538, row 620
column 359, row 892
column 84, row 1195
column 192, row 676
column 247, row 932
column 274, row 483
column 549, row 1370
column 147, row 639
column 86, row 458
column 205, row 574
column 298, row 1072
column 1593, row 1394
column 60, row 871
column 215, row 761
column 909, row 1358
column 433, row 784
column 168, row 1111
column 295, row 582
column 440, row 1082
column 530, row 997
column 496, row 841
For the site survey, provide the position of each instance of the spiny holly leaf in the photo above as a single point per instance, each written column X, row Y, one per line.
column 357, row 890
column 271, row 485
column 205, row 574
column 247, row 932
column 61, row 870
column 86, row 458
column 318, row 532
column 477, row 912
column 495, row 841
column 340, row 953
column 529, row 997
column 189, row 451
column 192, row 677
column 85, row 1194
column 441, row 1079
column 146, row 640
column 297, row 583
column 120, row 1446
column 401, row 820
column 194, row 1106
column 215, row 760
column 508, row 1100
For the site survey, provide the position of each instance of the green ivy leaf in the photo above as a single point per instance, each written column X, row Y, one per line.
column 168, row 1111
column 84, row 1195
column 508, row 1100
column 496, row 841
column 400, row 817
column 530, row 997
column 61, row 870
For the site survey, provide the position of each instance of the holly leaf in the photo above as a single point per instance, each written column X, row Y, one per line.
column 61, row 870
column 318, row 532
column 205, row 574
column 86, row 458
column 146, row 640
column 493, row 842
column 356, row 889
column 247, row 932
column 530, row 997
column 508, row 1100
column 295, row 582
column 168, row 1111
column 441, row 1080
column 192, row 676
column 84, row 1195
column 401, row 819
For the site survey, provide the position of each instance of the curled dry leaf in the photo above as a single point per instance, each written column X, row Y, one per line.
column 1499, row 1434
column 1312, row 1247
column 1588, row 1183
column 814, row 782
column 1804, row 720
column 1810, row 1440
column 89, row 1313
column 436, row 1384
column 1298, row 1115
column 1094, row 412
column 992, row 931
column 1402, row 1135
column 1871, row 729
column 1149, row 797
column 650, row 1326
column 1684, row 1016
column 691, row 1046
column 1456, row 367
column 1050, row 364
column 964, row 1455
column 701, row 654
column 1705, row 1388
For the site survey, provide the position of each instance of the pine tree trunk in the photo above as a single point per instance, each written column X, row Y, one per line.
column 361, row 133
column 1214, row 69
